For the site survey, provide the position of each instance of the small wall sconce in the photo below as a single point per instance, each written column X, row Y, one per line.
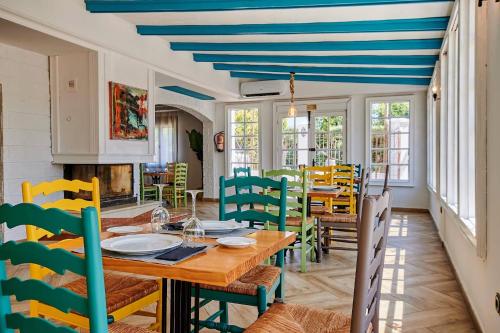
column 434, row 93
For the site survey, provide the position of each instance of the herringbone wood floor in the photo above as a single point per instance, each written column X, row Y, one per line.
column 420, row 293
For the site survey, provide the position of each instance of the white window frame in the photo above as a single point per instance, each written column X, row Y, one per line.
column 411, row 147
column 433, row 106
column 228, row 137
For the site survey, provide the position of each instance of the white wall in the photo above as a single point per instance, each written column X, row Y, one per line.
column 408, row 197
column 481, row 278
column 24, row 77
column 186, row 122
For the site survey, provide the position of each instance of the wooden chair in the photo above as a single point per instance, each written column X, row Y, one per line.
column 296, row 212
column 262, row 283
column 148, row 192
column 321, row 175
column 91, row 304
column 342, row 228
column 177, row 191
column 125, row 296
column 344, row 176
column 291, row 318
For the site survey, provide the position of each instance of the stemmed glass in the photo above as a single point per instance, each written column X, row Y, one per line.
column 159, row 218
column 193, row 228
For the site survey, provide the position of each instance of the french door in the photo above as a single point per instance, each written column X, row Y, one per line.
column 320, row 141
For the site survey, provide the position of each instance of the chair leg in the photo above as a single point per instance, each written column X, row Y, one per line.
column 262, row 300
column 303, row 251
column 175, row 198
column 224, row 316
column 185, row 199
column 312, row 245
column 319, row 250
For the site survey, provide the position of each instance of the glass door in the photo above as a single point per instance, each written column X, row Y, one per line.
column 322, row 142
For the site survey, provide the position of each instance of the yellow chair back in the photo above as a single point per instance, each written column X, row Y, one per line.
column 321, row 175
column 344, row 176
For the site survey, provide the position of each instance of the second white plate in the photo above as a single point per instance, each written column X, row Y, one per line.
column 236, row 242
column 126, row 229
column 141, row 244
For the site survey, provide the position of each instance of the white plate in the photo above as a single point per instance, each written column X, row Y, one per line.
column 141, row 244
column 236, row 242
column 126, row 229
column 212, row 226
column 325, row 188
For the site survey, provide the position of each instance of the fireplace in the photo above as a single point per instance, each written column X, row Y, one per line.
column 116, row 182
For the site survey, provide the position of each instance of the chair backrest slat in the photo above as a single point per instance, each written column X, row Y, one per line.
column 247, row 198
column 372, row 242
column 58, row 260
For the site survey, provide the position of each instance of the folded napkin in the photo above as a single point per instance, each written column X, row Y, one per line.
column 180, row 253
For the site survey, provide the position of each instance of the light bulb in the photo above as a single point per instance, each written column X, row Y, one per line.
column 292, row 111
column 434, row 89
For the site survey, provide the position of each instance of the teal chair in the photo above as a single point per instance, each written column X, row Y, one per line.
column 261, row 284
column 58, row 260
column 243, row 172
column 297, row 220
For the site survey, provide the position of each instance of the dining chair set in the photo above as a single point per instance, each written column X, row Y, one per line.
column 173, row 179
column 277, row 200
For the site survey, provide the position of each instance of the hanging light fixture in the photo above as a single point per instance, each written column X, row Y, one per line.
column 292, row 111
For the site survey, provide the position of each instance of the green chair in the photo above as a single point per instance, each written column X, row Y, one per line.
column 261, row 284
column 297, row 219
column 177, row 191
column 148, row 192
column 58, row 260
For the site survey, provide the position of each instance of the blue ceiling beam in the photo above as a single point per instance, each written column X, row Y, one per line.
column 188, row 92
column 323, row 78
column 394, row 25
column 136, row 6
column 416, row 60
column 359, row 45
column 405, row 71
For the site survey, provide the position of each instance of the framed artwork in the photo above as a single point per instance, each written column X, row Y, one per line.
column 128, row 108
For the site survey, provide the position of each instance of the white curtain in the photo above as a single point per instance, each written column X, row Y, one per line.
column 165, row 138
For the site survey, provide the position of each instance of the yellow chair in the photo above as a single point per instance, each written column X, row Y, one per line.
column 344, row 176
column 321, row 175
column 124, row 296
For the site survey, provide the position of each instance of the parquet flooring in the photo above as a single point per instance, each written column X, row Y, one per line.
column 420, row 292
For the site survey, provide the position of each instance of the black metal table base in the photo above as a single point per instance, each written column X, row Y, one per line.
column 180, row 307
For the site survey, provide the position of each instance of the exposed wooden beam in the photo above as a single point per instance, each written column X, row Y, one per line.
column 394, row 25
column 396, row 71
column 131, row 6
column 188, row 92
column 358, row 45
column 416, row 60
column 324, row 78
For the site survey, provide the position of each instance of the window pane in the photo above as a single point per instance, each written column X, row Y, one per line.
column 336, row 123
column 238, row 156
column 287, row 125
column 379, row 156
column 288, row 158
column 380, row 125
column 321, row 124
column 378, row 172
column 399, row 156
column 252, row 142
column 237, row 142
column 400, row 140
column 252, row 115
column 252, row 129
column 301, row 124
column 252, row 156
column 254, row 169
column 379, row 110
column 321, row 140
column 379, row 141
column 237, row 129
column 287, row 141
column 400, row 125
column 401, row 109
column 302, row 157
column 302, row 141
column 399, row 172
column 320, row 157
column 237, row 115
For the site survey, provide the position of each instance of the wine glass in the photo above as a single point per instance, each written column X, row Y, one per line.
column 193, row 228
column 159, row 218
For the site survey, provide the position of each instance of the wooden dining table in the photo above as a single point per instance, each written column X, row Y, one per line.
column 217, row 266
column 156, row 175
column 326, row 194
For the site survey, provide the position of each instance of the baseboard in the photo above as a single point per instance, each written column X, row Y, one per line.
column 210, row 199
column 410, row 210
column 468, row 304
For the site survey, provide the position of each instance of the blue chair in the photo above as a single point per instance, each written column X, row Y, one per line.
column 261, row 284
column 92, row 306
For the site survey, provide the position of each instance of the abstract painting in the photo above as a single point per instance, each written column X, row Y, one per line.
column 128, row 112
